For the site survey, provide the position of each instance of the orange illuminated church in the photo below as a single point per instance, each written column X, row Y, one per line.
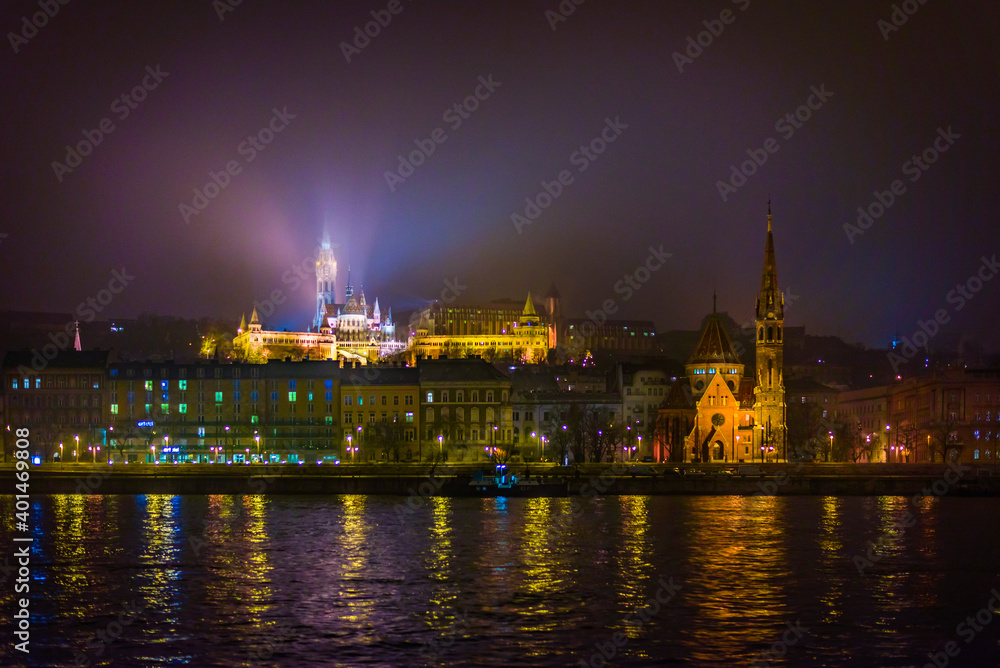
column 716, row 413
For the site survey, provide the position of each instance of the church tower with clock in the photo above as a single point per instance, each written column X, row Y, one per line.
column 769, row 388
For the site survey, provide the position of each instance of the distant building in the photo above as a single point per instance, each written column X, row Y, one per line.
column 952, row 415
column 354, row 331
column 492, row 333
column 60, row 399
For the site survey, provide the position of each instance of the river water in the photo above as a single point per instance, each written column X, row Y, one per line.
column 208, row 581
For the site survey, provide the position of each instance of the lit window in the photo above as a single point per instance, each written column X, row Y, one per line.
column 164, row 408
column 183, row 408
column 114, row 409
column 182, row 385
column 430, row 397
column 218, row 397
column 291, row 396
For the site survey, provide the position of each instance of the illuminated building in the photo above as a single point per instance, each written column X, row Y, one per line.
column 58, row 399
column 492, row 332
column 718, row 414
column 353, row 331
column 769, row 392
column 465, row 407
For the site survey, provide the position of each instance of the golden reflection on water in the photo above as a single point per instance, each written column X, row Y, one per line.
column 634, row 568
column 831, row 554
column 77, row 519
column 737, row 567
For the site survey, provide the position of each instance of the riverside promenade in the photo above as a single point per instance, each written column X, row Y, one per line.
column 426, row 479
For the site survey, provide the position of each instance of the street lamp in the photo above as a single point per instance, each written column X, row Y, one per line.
column 830, row 453
column 349, row 448
column 76, row 453
column 256, row 437
column 441, row 447
column 153, row 448
column 60, row 453
column 888, row 447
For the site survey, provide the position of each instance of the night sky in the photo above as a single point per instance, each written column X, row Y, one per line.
column 343, row 125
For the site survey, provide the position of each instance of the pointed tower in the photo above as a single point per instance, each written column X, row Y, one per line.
column 349, row 290
column 326, row 276
column 254, row 321
column 529, row 317
column 769, row 391
column 76, row 341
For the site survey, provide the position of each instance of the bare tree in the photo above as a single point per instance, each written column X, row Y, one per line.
column 943, row 436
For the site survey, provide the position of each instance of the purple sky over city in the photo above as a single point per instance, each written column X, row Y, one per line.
column 328, row 125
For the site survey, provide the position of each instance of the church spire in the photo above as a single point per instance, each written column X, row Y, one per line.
column 769, row 300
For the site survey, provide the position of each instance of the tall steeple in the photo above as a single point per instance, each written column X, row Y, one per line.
column 326, row 277
column 349, row 290
column 769, row 391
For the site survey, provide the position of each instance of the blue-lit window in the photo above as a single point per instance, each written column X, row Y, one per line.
column 291, row 385
column 361, row 400
column 114, row 373
column 15, row 384
column 165, row 396
column 329, row 396
column 131, row 397
column 236, row 396
column 253, row 396
column 164, row 384
column 329, row 384
column 274, row 396
column 310, row 396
